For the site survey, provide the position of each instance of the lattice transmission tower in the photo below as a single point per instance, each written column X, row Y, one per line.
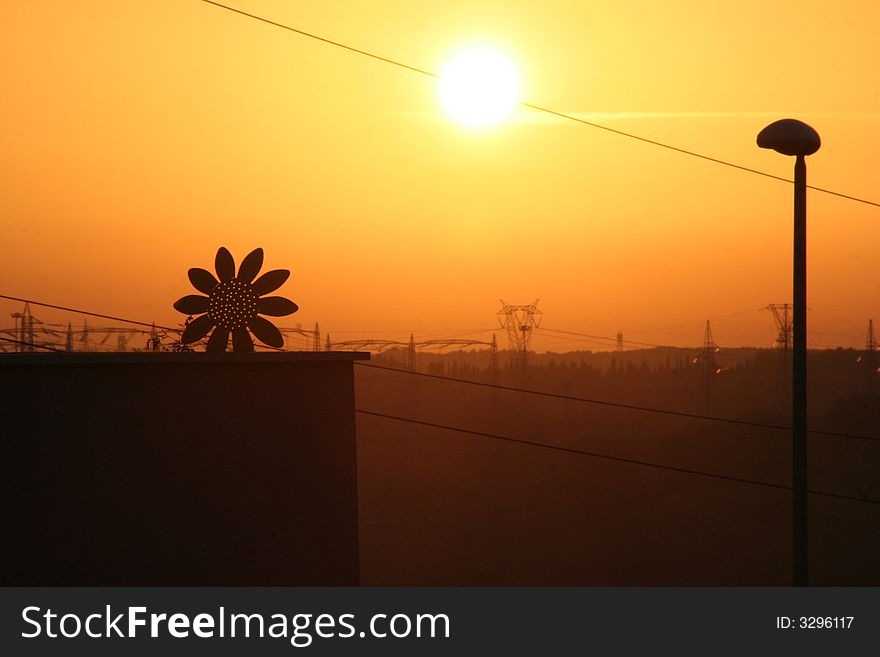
column 710, row 348
column 710, row 363
column 869, row 358
column 782, row 316
column 24, row 328
column 519, row 322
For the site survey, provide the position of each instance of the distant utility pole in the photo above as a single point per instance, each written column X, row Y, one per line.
column 411, row 354
column 316, row 338
column 620, row 342
column 519, row 322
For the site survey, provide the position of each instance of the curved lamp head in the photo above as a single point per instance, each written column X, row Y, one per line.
column 790, row 137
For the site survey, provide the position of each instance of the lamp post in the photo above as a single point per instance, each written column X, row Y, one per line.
column 791, row 137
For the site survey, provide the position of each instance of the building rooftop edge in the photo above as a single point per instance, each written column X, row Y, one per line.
column 129, row 357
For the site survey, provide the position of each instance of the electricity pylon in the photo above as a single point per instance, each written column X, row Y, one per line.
column 519, row 322
column 782, row 316
column 710, row 363
column 869, row 358
column 24, row 328
column 710, row 348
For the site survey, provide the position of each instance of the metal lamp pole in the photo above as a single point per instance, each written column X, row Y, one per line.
column 791, row 137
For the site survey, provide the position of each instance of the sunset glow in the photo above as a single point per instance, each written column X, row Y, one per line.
column 125, row 159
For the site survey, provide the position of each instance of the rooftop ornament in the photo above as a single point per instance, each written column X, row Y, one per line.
column 234, row 304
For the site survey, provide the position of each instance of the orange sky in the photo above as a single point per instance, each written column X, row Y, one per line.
column 136, row 138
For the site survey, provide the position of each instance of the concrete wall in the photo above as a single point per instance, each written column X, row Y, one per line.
column 179, row 469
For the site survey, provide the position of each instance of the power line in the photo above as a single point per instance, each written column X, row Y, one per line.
column 459, row 334
column 603, row 337
column 684, row 151
column 600, row 402
column 323, row 39
column 581, row 452
column 32, row 344
column 90, row 314
column 611, row 340
column 539, row 108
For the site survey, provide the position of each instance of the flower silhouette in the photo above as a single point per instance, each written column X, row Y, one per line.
column 234, row 303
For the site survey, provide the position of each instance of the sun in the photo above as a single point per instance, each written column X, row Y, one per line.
column 479, row 87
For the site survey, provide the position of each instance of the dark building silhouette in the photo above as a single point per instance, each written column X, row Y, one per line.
column 179, row 469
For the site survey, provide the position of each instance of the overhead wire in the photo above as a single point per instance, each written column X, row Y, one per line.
column 608, row 457
column 611, row 404
column 685, row 151
column 316, row 37
column 539, row 108
column 32, row 344
column 90, row 314
column 600, row 337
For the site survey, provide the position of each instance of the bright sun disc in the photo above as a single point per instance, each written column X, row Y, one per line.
column 479, row 87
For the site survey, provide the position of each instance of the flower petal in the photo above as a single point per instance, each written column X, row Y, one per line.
column 197, row 329
column 192, row 304
column 250, row 266
column 224, row 264
column 270, row 281
column 241, row 340
column 266, row 332
column 276, row 306
column 202, row 280
column 217, row 341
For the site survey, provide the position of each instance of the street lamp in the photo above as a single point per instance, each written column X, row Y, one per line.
column 791, row 137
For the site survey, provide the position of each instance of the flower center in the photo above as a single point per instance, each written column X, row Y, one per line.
column 232, row 304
